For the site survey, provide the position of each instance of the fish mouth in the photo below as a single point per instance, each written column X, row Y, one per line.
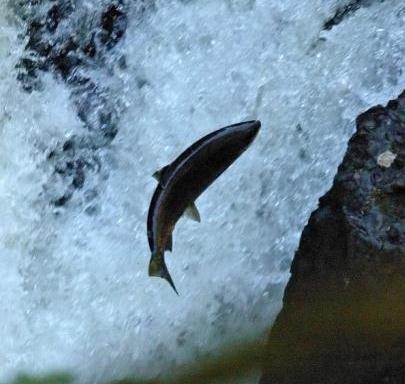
column 246, row 130
column 256, row 124
column 251, row 128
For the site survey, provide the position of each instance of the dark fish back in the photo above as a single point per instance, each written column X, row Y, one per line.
column 193, row 171
column 203, row 169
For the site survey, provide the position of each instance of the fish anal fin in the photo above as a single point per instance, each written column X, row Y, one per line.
column 169, row 244
column 192, row 212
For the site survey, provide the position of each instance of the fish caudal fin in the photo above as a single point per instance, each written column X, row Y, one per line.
column 157, row 268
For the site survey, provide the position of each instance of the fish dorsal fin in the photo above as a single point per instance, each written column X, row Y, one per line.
column 161, row 174
column 192, row 212
column 169, row 244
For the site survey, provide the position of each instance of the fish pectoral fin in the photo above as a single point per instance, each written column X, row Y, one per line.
column 169, row 244
column 160, row 173
column 192, row 213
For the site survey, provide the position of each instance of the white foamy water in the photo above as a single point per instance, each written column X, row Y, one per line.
column 75, row 291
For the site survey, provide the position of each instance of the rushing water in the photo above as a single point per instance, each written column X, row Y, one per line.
column 75, row 187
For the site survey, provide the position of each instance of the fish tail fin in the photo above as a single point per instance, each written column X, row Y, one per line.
column 155, row 264
column 158, row 268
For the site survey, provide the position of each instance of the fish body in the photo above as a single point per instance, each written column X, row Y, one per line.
column 185, row 179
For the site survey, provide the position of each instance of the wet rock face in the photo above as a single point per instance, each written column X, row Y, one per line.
column 343, row 319
column 70, row 39
column 63, row 37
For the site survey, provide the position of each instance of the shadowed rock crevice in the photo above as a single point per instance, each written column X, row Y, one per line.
column 343, row 319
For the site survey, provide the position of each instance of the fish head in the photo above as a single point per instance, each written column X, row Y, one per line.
column 251, row 129
column 244, row 133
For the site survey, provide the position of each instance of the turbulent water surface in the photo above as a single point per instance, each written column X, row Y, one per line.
column 98, row 94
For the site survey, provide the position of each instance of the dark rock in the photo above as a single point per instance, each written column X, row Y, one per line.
column 59, row 51
column 89, row 48
column 113, row 23
column 342, row 12
column 66, row 38
column 53, row 18
column 62, row 200
column 343, row 319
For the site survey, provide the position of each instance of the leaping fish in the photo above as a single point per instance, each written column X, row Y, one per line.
column 184, row 180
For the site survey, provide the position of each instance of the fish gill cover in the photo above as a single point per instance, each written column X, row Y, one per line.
column 97, row 95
